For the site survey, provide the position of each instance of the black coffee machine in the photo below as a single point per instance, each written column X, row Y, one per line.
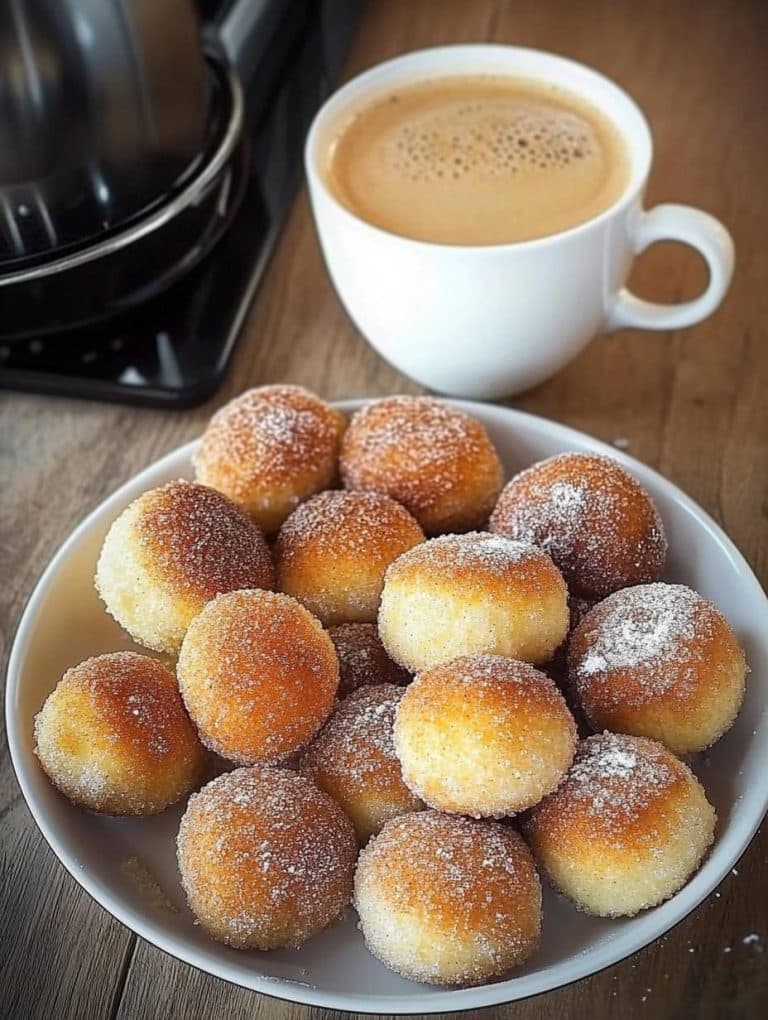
column 148, row 152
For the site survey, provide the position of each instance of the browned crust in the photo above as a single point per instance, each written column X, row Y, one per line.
column 265, row 857
column 615, row 539
column 200, row 542
column 138, row 700
column 270, row 436
column 439, row 864
column 258, row 675
column 434, row 459
column 340, row 524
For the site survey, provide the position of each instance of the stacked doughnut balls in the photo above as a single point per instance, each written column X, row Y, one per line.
column 363, row 639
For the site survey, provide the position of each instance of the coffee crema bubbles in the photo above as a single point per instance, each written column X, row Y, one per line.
column 477, row 160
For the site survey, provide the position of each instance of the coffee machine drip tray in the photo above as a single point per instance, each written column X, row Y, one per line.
column 172, row 350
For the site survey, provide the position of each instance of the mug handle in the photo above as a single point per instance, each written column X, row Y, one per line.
column 701, row 231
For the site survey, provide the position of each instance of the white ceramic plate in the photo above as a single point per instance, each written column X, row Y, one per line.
column 64, row 622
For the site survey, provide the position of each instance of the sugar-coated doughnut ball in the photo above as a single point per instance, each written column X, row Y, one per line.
column 461, row 594
column 113, row 736
column 434, row 459
column 353, row 759
column 363, row 660
column 266, row 859
column 171, row 551
column 626, row 828
column 594, row 519
column 258, row 675
column 448, row 900
column 660, row 661
column 269, row 449
column 483, row 735
column 331, row 553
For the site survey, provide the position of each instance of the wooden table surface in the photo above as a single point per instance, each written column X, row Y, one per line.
column 693, row 404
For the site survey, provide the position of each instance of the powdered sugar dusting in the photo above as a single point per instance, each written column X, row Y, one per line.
column 276, row 845
column 476, row 550
column 590, row 515
column 353, row 759
column 568, row 498
column 616, row 777
column 472, row 881
column 432, row 432
column 271, row 429
column 357, row 739
column 644, row 629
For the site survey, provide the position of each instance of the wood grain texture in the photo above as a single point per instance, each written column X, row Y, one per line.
column 691, row 403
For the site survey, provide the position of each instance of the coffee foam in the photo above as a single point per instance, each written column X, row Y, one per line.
column 477, row 160
column 489, row 139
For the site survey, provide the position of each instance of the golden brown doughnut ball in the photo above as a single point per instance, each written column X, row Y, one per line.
column 171, row 551
column 594, row 519
column 113, row 736
column 625, row 830
column 363, row 660
column 658, row 660
column 269, row 449
column 258, row 675
column 434, row 459
column 465, row 594
column 483, row 735
column 332, row 552
column 353, row 759
column 448, row 900
column 266, row 859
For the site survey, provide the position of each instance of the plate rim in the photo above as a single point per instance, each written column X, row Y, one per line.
column 577, row 967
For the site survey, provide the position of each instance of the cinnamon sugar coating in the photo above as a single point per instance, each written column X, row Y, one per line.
column 269, row 449
column 258, row 675
column 594, row 519
column 333, row 550
column 353, row 759
column 434, row 459
column 266, row 859
column 363, row 660
column 114, row 737
column 171, row 551
column 448, row 900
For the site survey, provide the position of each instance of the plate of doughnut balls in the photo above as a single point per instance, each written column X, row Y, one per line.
column 397, row 705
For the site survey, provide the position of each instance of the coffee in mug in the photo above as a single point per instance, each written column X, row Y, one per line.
column 477, row 160
column 480, row 209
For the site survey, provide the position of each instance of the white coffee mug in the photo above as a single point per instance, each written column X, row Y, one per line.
column 492, row 320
